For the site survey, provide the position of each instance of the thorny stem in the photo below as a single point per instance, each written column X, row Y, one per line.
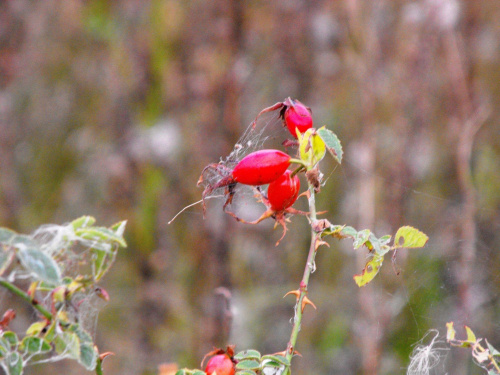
column 18, row 292
column 305, row 278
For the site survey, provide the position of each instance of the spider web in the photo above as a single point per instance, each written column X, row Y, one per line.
column 72, row 253
column 267, row 132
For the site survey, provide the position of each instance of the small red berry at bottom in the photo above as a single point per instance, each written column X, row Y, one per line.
column 283, row 192
column 220, row 364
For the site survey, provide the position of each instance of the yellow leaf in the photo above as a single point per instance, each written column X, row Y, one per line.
column 450, row 332
column 35, row 328
column 370, row 271
column 410, row 237
column 471, row 337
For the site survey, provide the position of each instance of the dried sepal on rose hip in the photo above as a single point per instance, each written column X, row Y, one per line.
column 221, row 362
column 295, row 115
column 281, row 195
column 257, row 168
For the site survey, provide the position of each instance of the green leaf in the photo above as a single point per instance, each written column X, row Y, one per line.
column 272, row 364
column 40, row 265
column 81, row 333
column 276, row 358
column 332, row 230
column 349, row 232
column 181, row 372
column 311, row 148
column 198, row 372
column 247, row 354
column 88, row 355
column 373, row 243
column 11, row 338
column 119, row 228
column 409, row 237
column 82, row 222
column 69, row 344
column 102, row 259
column 361, row 238
column 101, row 262
column 35, row 345
column 384, row 240
column 335, row 231
column 101, row 234
column 248, row 364
column 378, row 245
column 370, row 271
column 244, row 372
column 7, row 235
column 4, row 344
column 491, row 348
column 332, row 143
column 14, row 364
column 23, row 241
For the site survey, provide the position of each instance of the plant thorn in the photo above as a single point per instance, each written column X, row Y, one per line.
column 296, row 293
column 104, row 355
column 319, row 243
column 283, row 353
column 307, row 301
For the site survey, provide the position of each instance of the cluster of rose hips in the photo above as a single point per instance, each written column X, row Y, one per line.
column 268, row 166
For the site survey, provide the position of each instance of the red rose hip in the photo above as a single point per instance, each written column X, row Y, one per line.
column 220, row 364
column 283, row 192
column 297, row 116
column 261, row 167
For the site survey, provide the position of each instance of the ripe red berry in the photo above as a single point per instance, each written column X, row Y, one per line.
column 220, row 364
column 283, row 192
column 297, row 116
column 261, row 167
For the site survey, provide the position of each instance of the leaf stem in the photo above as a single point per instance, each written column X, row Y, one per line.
column 298, row 161
column 18, row 292
column 297, row 170
column 309, row 267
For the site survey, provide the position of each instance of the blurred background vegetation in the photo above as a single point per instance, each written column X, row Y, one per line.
column 113, row 108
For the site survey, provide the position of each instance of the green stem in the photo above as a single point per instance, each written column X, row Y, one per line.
column 299, row 162
column 297, row 170
column 18, row 292
column 305, row 278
